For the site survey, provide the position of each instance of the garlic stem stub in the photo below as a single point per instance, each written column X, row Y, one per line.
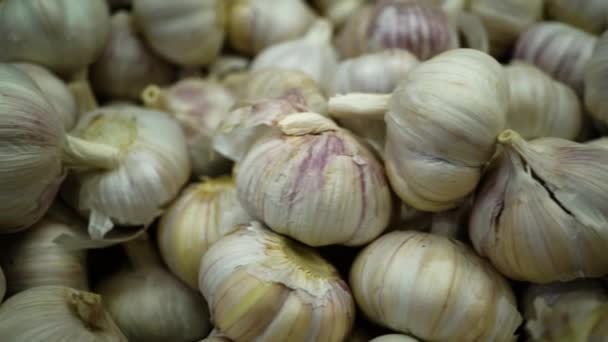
column 264, row 286
column 308, row 180
column 201, row 215
column 589, row 15
column 153, row 167
column 596, row 82
column 539, row 215
column 75, row 32
column 57, row 313
column 433, row 288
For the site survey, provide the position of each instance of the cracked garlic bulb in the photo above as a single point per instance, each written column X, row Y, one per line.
column 263, row 286
column 539, row 215
column 596, row 82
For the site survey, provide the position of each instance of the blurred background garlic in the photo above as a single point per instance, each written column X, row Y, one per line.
column 394, row 338
column 254, row 25
column 338, row 11
column 186, row 32
column 505, row 20
column 316, row 183
column 201, row 215
column 262, row 286
column 572, row 311
column 421, row 28
column 57, row 313
column 539, row 215
column 589, row 15
column 312, row 54
column 540, row 106
column 559, row 49
column 63, row 35
column 596, row 82
column 199, row 106
column 434, row 288
column 151, row 305
column 153, row 167
column 126, row 64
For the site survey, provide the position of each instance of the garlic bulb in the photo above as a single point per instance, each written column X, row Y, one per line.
column 596, row 81
column 2, row 285
column 422, row 29
column 506, row 20
column 284, row 291
column 127, row 65
column 32, row 258
column 434, row 288
column 75, row 32
column 153, row 167
column 540, row 106
column 308, row 180
column 560, row 50
column 254, row 25
column 186, row 32
column 312, row 54
column 590, row 15
column 201, row 215
column 55, row 91
column 394, row 338
column 57, row 313
column 35, row 151
column 543, row 202
column 338, row 11
column 199, row 106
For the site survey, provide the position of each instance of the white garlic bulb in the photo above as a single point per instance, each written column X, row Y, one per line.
column 540, row 106
column 57, row 313
column 596, row 81
column 338, row 11
column 75, row 32
column 316, row 183
column 55, row 91
column 153, row 167
column 544, row 202
column 434, row 288
column 394, row 338
column 312, row 54
column 263, row 286
column 559, row 49
column 2, row 285
column 126, row 65
column 254, row 25
column 200, row 216
column 590, row 15
column 186, row 32
column 199, row 106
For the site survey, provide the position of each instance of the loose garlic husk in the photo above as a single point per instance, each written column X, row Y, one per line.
column 559, row 49
column 434, row 288
column 186, row 32
column 57, row 313
column 338, row 11
column 312, row 54
column 394, row 338
column 596, row 82
column 262, row 286
column 75, row 32
column 423, row 29
column 590, row 15
column 126, row 64
column 505, row 20
column 540, row 106
column 149, row 304
column 307, row 180
column 199, row 106
column 200, row 216
column 129, row 194
column 543, row 202
column 257, row 24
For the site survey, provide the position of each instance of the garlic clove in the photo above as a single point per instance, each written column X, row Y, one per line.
column 589, row 15
column 285, row 292
column 394, row 338
column 434, row 288
column 596, row 82
column 306, row 181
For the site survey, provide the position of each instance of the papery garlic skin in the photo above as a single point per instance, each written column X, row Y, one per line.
column 285, row 291
column 56, row 313
column 596, row 81
column 75, row 32
column 257, row 24
column 589, row 15
column 540, row 106
column 434, row 288
column 186, row 32
column 544, row 202
column 394, row 338
column 316, row 183
column 126, row 65
column 441, row 127
column 559, row 49
column 200, row 216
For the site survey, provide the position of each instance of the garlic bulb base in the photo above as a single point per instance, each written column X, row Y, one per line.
column 153, row 97
column 365, row 106
column 87, row 307
column 78, row 152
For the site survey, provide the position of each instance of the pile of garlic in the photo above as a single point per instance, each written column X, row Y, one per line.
column 303, row 170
